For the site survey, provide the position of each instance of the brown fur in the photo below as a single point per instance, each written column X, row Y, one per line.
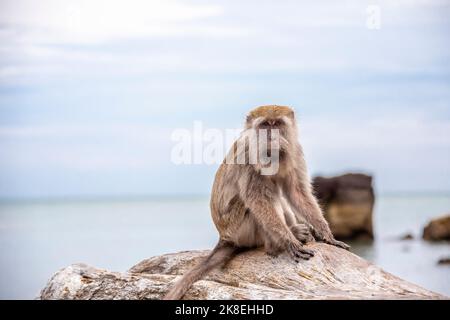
column 277, row 212
column 271, row 111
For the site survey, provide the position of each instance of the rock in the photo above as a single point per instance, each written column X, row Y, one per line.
column 444, row 261
column 407, row 236
column 333, row 273
column 437, row 229
column 348, row 202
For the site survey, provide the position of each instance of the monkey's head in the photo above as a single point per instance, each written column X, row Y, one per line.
column 273, row 117
column 271, row 114
column 273, row 131
column 270, row 117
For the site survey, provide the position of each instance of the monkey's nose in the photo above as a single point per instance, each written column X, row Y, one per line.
column 272, row 122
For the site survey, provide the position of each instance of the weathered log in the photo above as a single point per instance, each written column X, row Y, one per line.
column 348, row 202
column 333, row 273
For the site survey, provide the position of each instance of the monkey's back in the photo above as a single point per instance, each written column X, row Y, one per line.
column 227, row 208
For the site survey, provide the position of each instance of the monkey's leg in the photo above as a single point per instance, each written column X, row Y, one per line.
column 260, row 199
column 299, row 227
column 272, row 248
column 320, row 229
column 306, row 204
column 278, row 236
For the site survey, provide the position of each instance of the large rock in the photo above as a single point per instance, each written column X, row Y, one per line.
column 437, row 229
column 347, row 202
column 333, row 273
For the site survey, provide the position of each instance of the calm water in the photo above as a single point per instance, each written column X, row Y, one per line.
column 36, row 239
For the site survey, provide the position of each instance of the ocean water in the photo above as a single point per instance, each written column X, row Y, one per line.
column 37, row 239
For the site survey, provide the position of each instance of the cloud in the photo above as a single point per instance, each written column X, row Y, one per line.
column 51, row 39
column 405, row 132
column 94, row 86
column 90, row 21
column 84, row 147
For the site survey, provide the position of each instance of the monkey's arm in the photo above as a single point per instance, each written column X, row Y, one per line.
column 259, row 196
column 306, row 205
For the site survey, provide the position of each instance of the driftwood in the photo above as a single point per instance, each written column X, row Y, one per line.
column 333, row 273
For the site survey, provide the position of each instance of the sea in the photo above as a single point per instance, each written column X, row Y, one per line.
column 38, row 238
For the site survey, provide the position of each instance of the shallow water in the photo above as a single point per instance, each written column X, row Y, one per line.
column 36, row 239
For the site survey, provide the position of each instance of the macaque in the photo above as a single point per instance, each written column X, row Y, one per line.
column 262, row 196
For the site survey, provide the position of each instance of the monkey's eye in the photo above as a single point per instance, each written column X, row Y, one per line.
column 272, row 123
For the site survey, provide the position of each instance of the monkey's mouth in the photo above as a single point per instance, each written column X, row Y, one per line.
column 278, row 152
column 277, row 142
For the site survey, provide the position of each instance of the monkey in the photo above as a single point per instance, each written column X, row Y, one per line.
column 250, row 209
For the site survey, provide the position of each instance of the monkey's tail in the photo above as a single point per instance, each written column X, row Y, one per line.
column 221, row 254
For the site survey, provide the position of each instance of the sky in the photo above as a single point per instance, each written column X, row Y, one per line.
column 91, row 91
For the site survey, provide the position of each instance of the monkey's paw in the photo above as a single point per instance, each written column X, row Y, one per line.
column 296, row 250
column 302, row 233
column 339, row 244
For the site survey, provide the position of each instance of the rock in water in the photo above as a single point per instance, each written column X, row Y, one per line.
column 348, row 202
column 444, row 261
column 407, row 236
column 333, row 273
column 437, row 229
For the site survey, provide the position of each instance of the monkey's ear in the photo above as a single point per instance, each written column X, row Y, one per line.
column 291, row 114
column 249, row 118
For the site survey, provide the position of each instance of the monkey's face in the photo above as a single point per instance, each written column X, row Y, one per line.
column 278, row 131
column 271, row 125
column 270, row 129
column 272, row 118
column 271, row 133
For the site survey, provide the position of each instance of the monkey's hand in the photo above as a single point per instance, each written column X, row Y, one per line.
column 337, row 243
column 327, row 237
column 302, row 232
column 297, row 251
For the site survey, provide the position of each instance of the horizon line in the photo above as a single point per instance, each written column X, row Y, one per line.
column 173, row 196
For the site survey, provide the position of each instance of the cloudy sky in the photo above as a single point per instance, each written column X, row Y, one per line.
column 91, row 91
